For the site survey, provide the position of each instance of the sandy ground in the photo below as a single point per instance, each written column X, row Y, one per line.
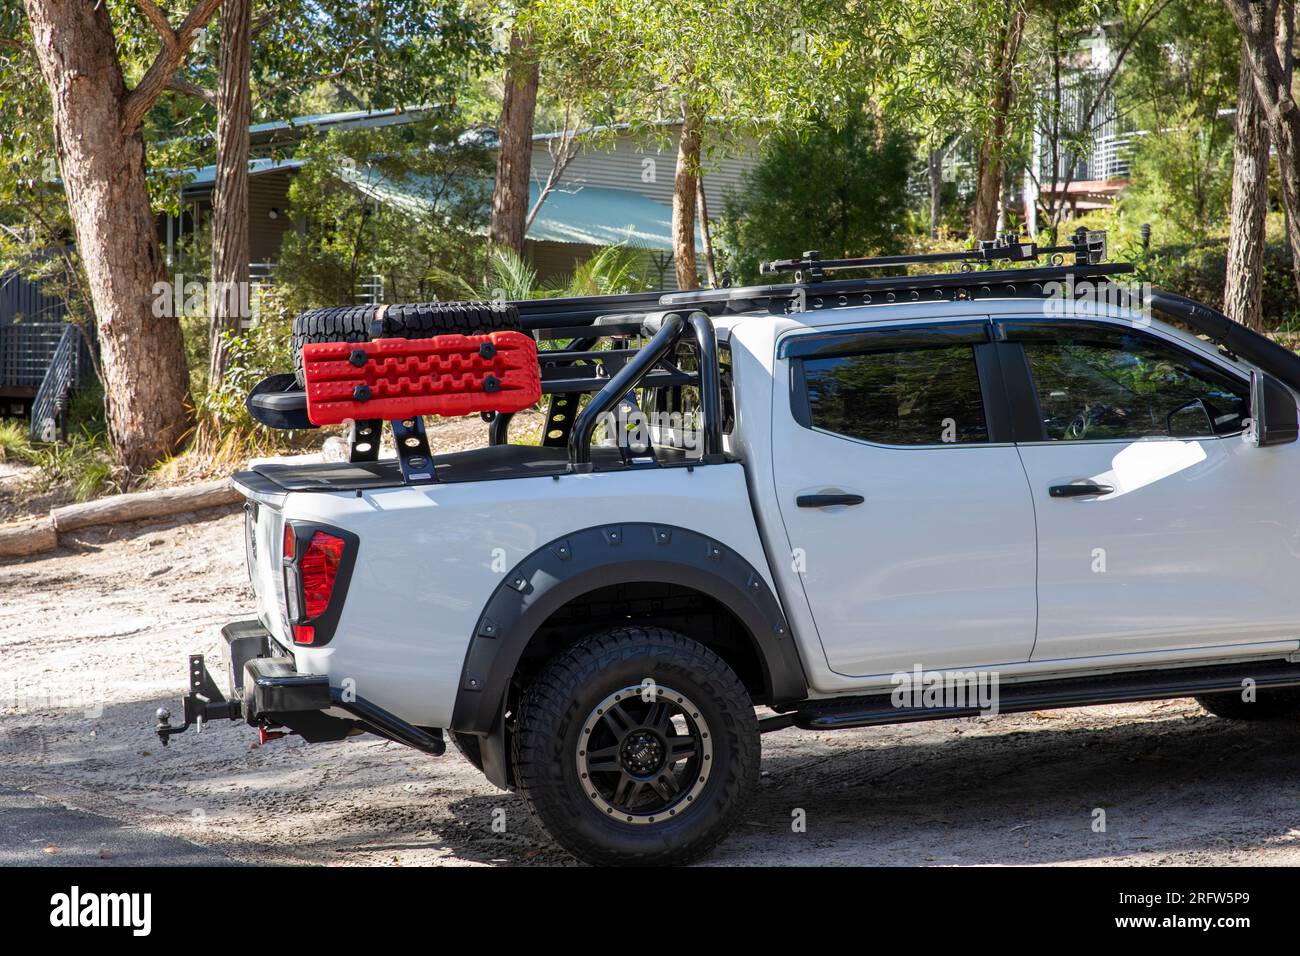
column 95, row 636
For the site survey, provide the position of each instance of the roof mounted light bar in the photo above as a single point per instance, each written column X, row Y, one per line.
column 1088, row 248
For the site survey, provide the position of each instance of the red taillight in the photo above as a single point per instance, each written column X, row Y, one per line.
column 312, row 561
column 318, row 569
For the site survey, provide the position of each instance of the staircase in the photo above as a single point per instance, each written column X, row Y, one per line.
column 49, row 408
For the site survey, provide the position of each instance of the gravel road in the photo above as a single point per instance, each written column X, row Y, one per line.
column 94, row 637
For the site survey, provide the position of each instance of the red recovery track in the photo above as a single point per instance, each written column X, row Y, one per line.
column 403, row 378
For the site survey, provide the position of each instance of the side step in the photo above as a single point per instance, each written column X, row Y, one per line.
column 384, row 724
column 1013, row 698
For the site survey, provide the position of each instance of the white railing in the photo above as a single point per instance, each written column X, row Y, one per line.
column 370, row 290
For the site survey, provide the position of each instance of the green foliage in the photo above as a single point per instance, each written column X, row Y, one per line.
column 842, row 191
column 83, row 464
column 262, row 349
column 1197, row 271
column 1182, row 179
column 760, row 66
column 509, row 278
column 15, row 442
column 1197, row 268
column 34, row 223
column 348, row 235
column 1187, row 57
column 610, row 271
column 1180, row 75
column 318, row 55
column 86, row 408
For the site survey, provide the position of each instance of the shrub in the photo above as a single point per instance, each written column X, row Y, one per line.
column 84, row 464
column 15, row 442
column 1198, row 272
column 842, row 191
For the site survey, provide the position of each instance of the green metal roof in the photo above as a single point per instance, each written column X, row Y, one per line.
column 586, row 215
column 205, row 177
column 589, row 215
column 344, row 120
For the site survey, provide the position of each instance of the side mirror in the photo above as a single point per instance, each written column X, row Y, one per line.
column 1275, row 419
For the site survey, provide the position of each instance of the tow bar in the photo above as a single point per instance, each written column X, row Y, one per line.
column 278, row 700
column 204, row 702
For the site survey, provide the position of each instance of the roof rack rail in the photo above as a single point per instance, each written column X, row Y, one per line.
column 882, row 290
column 1088, row 248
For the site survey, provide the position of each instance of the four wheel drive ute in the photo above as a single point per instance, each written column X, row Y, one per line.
column 844, row 480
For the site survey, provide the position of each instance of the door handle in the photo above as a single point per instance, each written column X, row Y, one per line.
column 1084, row 489
column 825, row 501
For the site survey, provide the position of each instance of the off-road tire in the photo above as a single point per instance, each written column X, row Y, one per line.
column 423, row 320
column 1271, row 703
column 551, row 715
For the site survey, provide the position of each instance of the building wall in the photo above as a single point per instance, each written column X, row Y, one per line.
column 266, row 193
column 620, row 162
column 31, row 324
column 23, row 300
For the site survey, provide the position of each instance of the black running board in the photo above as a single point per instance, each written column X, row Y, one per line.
column 845, row 713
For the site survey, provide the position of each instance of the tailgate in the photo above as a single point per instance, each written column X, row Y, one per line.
column 263, row 534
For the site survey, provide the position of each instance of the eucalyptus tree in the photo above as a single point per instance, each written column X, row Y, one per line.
column 693, row 71
column 98, row 94
column 1268, row 36
column 520, row 77
column 378, row 54
column 101, row 112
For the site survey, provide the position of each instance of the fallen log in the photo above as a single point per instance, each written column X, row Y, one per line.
column 28, row 537
column 144, row 504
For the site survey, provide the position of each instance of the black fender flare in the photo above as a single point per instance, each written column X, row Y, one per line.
column 597, row 557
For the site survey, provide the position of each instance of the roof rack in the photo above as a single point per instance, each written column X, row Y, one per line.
column 811, row 289
column 1088, row 248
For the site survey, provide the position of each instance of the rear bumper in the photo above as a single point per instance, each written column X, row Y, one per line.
column 267, row 686
column 268, row 692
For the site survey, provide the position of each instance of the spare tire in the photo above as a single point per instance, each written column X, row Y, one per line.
column 352, row 323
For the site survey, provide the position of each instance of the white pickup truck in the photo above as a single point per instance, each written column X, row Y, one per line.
column 852, row 501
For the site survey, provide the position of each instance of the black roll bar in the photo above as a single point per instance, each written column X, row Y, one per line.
column 641, row 364
column 607, row 399
column 710, row 386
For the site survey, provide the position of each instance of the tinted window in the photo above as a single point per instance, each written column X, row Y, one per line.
column 1097, row 384
column 915, row 396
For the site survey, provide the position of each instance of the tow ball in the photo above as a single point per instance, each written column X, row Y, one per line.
column 204, row 702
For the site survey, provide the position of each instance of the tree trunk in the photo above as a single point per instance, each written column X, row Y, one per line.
column 1244, row 282
column 685, row 182
column 514, row 148
column 988, row 181
column 706, row 234
column 934, row 172
column 230, row 197
column 145, row 377
column 992, row 149
column 1261, row 28
column 1286, row 39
